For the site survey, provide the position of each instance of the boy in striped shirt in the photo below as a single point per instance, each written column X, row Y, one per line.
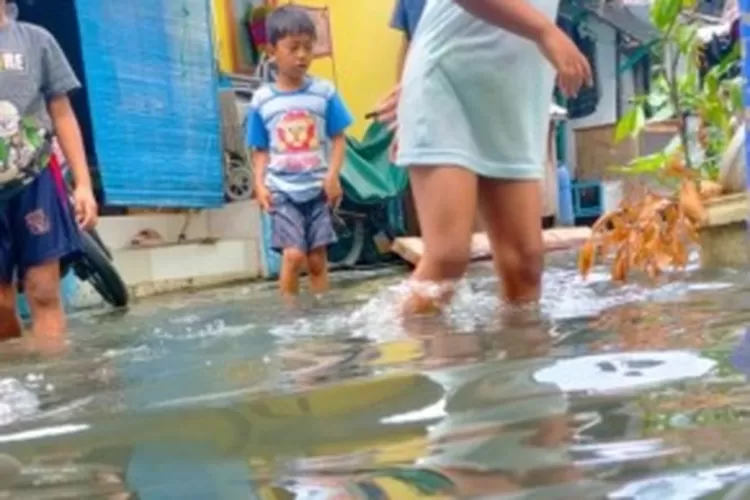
column 296, row 131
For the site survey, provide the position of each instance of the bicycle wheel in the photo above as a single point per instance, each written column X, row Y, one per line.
column 351, row 232
column 100, row 242
column 95, row 267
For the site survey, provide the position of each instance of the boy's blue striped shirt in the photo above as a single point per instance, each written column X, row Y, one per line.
column 296, row 129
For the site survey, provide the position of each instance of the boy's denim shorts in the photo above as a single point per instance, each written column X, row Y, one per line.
column 304, row 226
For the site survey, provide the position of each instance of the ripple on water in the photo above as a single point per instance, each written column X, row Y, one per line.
column 600, row 396
column 17, row 401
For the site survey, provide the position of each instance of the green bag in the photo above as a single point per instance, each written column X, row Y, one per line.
column 368, row 175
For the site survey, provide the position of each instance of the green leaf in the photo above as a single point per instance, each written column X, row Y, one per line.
column 631, row 123
column 666, row 112
column 734, row 91
column 649, row 164
column 659, row 82
column 663, row 13
column 3, row 151
column 658, row 99
column 711, row 82
column 685, row 35
column 688, row 83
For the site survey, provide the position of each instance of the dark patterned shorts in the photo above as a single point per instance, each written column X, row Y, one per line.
column 305, row 226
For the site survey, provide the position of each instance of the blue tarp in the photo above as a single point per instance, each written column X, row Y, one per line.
column 152, row 84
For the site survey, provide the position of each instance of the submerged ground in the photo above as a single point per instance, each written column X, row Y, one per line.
column 622, row 392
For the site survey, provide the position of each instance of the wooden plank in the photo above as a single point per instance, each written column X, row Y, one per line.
column 727, row 209
column 562, row 238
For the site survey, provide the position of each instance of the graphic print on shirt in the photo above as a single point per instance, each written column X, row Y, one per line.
column 20, row 138
column 297, row 139
column 12, row 61
column 20, row 141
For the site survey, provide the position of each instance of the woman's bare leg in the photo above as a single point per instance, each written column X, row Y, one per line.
column 446, row 201
column 512, row 213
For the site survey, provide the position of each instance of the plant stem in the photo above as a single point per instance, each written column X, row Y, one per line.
column 674, row 94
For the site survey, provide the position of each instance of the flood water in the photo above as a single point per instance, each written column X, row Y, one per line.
column 619, row 392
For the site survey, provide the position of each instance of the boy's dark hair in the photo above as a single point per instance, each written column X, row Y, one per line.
column 288, row 21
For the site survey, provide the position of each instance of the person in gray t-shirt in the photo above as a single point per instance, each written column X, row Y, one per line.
column 38, row 228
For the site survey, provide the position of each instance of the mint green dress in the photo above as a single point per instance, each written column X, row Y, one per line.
column 474, row 96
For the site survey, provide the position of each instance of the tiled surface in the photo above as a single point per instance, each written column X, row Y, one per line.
column 239, row 220
column 134, row 265
column 118, row 232
column 175, row 266
column 189, row 261
column 197, row 261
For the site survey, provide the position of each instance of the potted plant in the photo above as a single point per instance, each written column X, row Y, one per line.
column 653, row 230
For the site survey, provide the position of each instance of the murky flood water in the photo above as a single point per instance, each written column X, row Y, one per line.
column 634, row 392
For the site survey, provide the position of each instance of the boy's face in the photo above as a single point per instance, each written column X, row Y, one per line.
column 293, row 55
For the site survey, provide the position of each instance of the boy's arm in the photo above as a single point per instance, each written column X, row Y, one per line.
column 259, row 143
column 260, row 164
column 338, row 119
column 58, row 80
column 71, row 141
column 338, row 148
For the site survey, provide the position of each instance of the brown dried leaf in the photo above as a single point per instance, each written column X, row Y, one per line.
column 710, row 189
column 620, row 266
column 586, row 258
column 690, row 202
column 690, row 231
column 679, row 254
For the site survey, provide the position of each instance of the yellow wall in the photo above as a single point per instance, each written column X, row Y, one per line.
column 222, row 42
column 365, row 49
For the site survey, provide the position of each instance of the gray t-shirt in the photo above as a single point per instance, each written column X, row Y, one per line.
column 33, row 71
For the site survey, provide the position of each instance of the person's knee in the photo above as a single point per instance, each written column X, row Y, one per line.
column 523, row 264
column 317, row 263
column 43, row 295
column 451, row 260
column 294, row 259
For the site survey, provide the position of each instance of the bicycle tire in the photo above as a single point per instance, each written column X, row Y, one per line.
column 346, row 252
column 95, row 267
column 98, row 239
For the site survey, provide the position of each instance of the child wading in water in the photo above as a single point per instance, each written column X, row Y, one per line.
column 38, row 227
column 296, row 131
column 472, row 113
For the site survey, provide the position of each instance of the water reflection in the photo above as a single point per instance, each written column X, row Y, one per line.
column 605, row 393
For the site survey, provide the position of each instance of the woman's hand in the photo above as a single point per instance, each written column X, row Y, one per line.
column 386, row 112
column 573, row 69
